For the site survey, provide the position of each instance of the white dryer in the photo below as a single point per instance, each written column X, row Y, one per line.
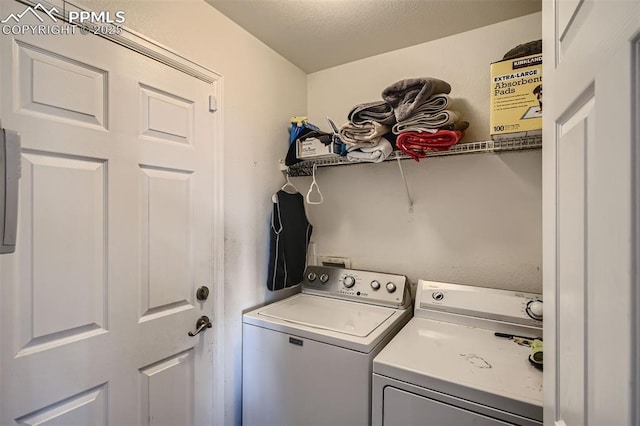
column 307, row 360
column 462, row 360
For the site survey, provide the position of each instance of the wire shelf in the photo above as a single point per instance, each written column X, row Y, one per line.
column 504, row 144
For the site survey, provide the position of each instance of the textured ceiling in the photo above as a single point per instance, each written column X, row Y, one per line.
column 320, row 34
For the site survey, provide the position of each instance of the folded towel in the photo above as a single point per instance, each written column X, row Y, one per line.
column 378, row 111
column 435, row 103
column 374, row 154
column 422, row 122
column 405, row 96
column 362, row 135
column 417, row 145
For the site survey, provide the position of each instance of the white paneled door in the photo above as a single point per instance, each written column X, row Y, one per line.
column 590, row 156
column 115, row 236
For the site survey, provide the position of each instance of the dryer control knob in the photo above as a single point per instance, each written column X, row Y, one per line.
column 437, row 295
column 311, row 276
column 375, row 284
column 348, row 281
column 391, row 287
column 324, row 278
column 534, row 309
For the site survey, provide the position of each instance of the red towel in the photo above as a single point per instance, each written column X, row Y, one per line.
column 418, row 144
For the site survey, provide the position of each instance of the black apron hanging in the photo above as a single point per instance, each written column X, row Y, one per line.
column 290, row 235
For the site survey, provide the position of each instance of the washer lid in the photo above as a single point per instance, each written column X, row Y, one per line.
column 355, row 319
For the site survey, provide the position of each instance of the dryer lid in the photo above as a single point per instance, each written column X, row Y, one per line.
column 351, row 318
column 469, row 362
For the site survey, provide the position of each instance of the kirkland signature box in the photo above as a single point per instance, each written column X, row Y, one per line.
column 516, row 97
column 310, row 148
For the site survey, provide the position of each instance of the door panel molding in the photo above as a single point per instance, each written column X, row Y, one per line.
column 167, row 224
column 567, row 13
column 165, row 116
column 88, row 407
column 577, row 112
column 35, row 95
column 53, row 235
column 176, row 372
column 574, row 135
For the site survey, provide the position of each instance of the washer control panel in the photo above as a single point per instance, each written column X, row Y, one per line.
column 377, row 288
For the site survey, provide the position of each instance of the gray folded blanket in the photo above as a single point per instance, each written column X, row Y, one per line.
column 378, row 111
column 405, row 96
column 422, row 122
column 362, row 135
column 434, row 104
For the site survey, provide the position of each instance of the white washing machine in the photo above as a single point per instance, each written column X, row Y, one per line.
column 461, row 360
column 306, row 360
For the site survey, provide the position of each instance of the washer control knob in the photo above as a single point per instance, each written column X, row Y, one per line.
column 324, row 278
column 348, row 281
column 391, row 287
column 375, row 284
column 437, row 295
column 534, row 309
column 311, row 276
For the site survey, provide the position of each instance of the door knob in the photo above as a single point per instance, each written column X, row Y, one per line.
column 202, row 323
column 202, row 293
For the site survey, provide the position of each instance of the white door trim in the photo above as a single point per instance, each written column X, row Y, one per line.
column 635, row 415
column 156, row 51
